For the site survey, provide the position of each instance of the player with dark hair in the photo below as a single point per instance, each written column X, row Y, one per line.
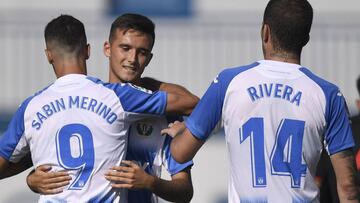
column 129, row 48
column 277, row 116
column 78, row 123
column 131, row 40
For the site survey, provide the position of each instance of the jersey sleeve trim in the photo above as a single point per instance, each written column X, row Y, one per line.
column 14, row 132
column 208, row 112
column 137, row 99
column 338, row 135
column 172, row 166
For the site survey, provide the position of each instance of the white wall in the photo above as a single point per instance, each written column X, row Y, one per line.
column 201, row 5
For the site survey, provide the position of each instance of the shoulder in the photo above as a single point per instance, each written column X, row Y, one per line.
column 229, row 73
column 37, row 94
column 325, row 85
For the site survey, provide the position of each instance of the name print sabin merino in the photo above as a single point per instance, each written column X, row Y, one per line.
column 79, row 102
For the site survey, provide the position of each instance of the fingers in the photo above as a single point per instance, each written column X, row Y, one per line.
column 173, row 129
column 120, row 174
column 174, row 123
column 52, row 191
column 44, row 168
column 119, row 178
column 58, row 178
column 131, row 164
column 58, row 184
column 165, row 131
column 122, row 185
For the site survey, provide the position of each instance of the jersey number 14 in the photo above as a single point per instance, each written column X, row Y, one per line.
column 286, row 155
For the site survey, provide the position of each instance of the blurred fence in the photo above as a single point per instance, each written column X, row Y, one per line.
column 189, row 52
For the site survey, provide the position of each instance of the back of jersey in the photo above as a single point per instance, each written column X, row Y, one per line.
column 79, row 125
column 276, row 117
column 75, row 125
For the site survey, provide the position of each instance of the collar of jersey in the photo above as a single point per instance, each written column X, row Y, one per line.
column 70, row 78
column 279, row 64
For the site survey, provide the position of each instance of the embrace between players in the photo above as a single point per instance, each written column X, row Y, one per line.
column 278, row 118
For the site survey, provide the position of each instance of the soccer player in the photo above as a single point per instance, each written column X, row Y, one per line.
column 78, row 123
column 131, row 40
column 277, row 116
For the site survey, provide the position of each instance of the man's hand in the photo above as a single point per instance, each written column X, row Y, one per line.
column 174, row 129
column 130, row 176
column 44, row 182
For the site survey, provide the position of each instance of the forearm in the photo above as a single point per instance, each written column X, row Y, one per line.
column 347, row 184
column 176, row 190
column 184, row 146
column 16, row 168
column 188, row 100
column 183, row 101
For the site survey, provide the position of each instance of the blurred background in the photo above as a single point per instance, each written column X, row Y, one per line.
column 195, row 39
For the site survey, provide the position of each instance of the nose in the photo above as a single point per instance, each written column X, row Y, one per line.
column 132, row 56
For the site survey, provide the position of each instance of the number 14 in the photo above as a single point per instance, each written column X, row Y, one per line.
column 286, row 155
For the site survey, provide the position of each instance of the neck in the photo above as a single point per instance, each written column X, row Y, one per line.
column 65, row 67
column 283, row 57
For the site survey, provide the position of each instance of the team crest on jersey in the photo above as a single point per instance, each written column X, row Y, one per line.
column 144, row 129
column 140, row 88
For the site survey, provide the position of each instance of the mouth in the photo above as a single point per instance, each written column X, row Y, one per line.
column 130, row 68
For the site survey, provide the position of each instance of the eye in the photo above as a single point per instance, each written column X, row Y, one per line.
column 125, row 47
column 144, row 52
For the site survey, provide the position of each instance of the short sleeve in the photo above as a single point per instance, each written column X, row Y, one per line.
column 13, row 145
column 338, row 135
column 172, row 166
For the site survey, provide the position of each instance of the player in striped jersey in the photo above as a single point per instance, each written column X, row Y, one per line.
column 78, row 123
column 129, row 48
column 278, row 117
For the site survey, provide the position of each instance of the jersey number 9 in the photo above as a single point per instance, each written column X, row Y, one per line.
column 75, row 151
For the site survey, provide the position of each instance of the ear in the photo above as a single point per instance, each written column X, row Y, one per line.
column 87, row 54
column 265, row 33
column 49, row 56
column 106, row 49
column 149, row 59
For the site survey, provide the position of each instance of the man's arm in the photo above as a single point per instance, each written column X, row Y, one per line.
column 4, row 164
column 344, row 166
column 178, row 189
column 16, row 168
column 132, row 176
column 44, row 182
column 184, row 145
column 180, row 100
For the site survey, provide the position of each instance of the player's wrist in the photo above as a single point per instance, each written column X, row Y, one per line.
column 29, row 181
column 151, row 182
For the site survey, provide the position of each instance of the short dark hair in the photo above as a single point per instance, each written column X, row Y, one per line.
column 133, row 21
column 290, row 23
column 67, row 32
column 358, row 85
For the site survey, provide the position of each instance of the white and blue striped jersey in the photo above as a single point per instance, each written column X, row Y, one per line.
column 151, row 150
column 277, row 117
column 79, row 124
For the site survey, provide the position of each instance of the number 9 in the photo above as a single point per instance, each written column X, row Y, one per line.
column 75, row 150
